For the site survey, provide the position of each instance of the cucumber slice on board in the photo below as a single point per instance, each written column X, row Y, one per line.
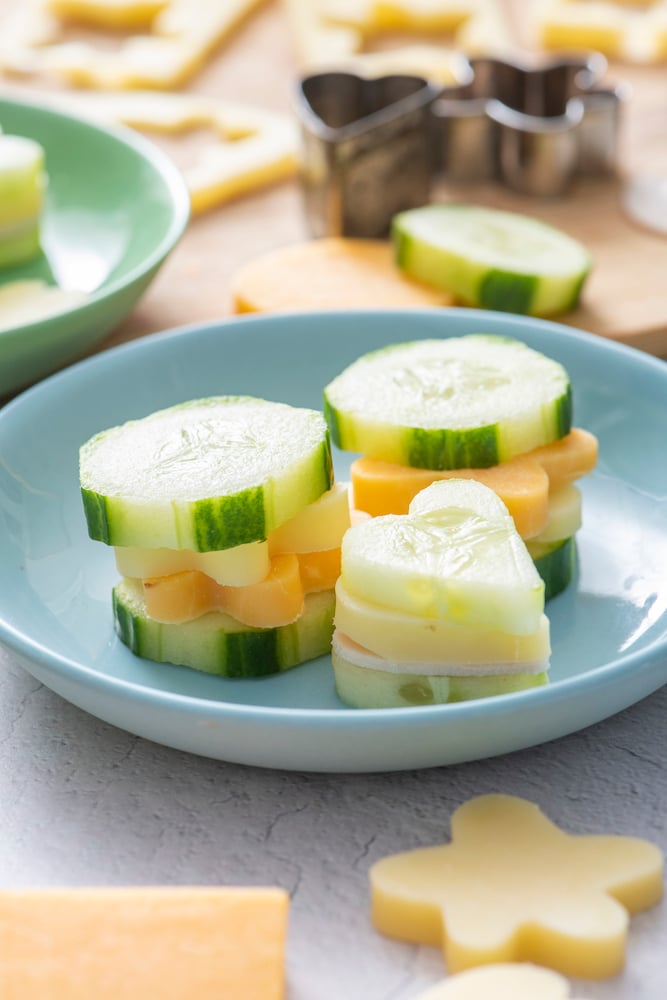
column 492, row 259
column 205, row 475
column 218, row 644
column 361, row 686
column 461, row 402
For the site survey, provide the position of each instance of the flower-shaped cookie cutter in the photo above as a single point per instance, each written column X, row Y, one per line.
column 367, row 150
column 531, row 127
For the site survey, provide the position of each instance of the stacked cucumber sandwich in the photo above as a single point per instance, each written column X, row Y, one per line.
column 226, row 524
column 468, row 470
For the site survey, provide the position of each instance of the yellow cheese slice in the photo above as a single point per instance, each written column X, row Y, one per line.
column 411, row 643
column 114, row 14
column 31, row 301
column 140, row 943
column 511, row 886
column 509, row 981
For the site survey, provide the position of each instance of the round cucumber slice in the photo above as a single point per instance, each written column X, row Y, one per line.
column 490, row 258
column 362, row 686
column 218, row 644
column 205, row 475
column 462, row 402
column 22, row 183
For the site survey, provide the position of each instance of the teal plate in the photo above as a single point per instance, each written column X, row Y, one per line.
column 115, row 208
column 609, row 630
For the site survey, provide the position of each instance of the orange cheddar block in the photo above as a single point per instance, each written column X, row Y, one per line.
column 512, row 887
column 523, row 483
column 329, row 273
column 171, row 943
column 276, row 600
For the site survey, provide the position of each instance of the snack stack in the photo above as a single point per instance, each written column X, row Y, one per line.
column 22, row 184
column 440, row 604
column 478, row 407
column 468, row 470
column 227, row 526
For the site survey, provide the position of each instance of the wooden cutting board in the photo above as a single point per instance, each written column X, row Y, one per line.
column 625, row 298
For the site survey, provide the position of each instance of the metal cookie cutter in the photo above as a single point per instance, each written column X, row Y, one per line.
column 368, row 150
column 532, row 127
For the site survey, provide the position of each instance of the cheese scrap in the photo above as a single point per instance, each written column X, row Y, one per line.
column 628, row 32
column 182, row 36
column 250, row 147
column 174, row 943
column 31, row 301
column 511, row 887
column 510, row 981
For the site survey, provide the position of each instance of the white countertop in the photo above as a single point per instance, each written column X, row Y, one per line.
column 85, row 803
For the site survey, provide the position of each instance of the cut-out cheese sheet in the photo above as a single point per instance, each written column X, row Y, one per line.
column 633, row 32
column 327, row 32
column 180, row 37
column 249, row 149
column 511, row 886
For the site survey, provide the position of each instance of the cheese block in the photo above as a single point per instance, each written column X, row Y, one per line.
column 171, row 943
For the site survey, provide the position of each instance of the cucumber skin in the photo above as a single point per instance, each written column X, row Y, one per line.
column 556, row 565
column 432, row 448
column 205, row 525
column 217, row 644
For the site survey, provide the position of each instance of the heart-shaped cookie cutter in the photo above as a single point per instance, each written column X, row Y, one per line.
column 368, row 150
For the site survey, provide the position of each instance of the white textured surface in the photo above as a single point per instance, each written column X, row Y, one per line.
column 84, row 803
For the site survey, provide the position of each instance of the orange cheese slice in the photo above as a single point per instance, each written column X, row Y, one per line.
column 328, row 273
column 171, row 943
column 523, row 483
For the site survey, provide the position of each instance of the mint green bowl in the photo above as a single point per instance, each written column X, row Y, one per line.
column 115, row 208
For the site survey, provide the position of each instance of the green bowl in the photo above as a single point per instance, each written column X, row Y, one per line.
column 115, row 207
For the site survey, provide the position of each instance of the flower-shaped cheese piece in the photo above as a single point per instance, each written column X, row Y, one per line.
column 511, row 886
column 510, row 981
column 249, row 148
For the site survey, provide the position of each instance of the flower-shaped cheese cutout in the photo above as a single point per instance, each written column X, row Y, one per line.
column 250, row 148
column 510, row 981
column 634, row 33
column 182, row 35
column 511, row 886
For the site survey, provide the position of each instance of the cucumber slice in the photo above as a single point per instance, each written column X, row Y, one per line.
column 462, row 402
column 493, row 259
column 204, row 475
column 456, row 555
column 22, row 183
column 365, row 687
column 555, row 562
column 218, row 644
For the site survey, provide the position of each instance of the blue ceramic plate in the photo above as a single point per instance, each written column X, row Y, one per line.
column 609, row 630
column 115, row 208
